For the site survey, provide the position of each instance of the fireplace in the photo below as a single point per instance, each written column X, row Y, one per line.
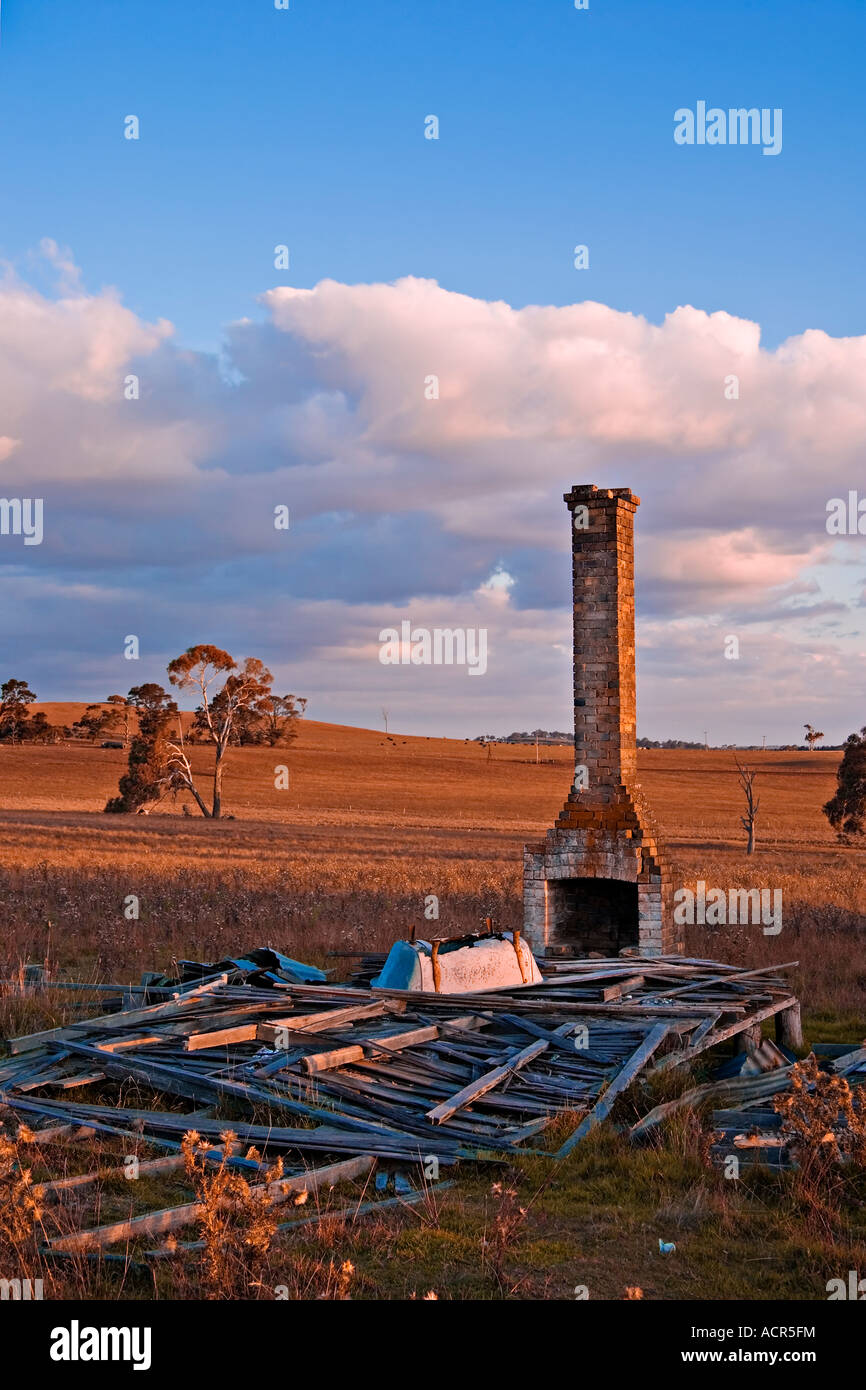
column 599, row 881
column 596, row 914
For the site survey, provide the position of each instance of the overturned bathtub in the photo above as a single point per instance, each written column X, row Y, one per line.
column 463, row 965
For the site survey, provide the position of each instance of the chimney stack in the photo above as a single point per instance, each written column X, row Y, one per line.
column 602, row 539
column 600, row 882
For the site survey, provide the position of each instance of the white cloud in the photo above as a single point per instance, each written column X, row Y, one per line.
column 393, row 495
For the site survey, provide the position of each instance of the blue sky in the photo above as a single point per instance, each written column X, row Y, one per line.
column 305, row 127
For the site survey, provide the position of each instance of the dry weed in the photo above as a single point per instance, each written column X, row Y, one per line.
column 826, row 1122
column 237, row 1222
column 19, row 1209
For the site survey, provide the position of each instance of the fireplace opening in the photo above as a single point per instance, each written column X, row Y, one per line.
column 599, row 914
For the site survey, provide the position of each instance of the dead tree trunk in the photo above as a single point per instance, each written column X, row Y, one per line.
column 217, row 783
column 747, row 777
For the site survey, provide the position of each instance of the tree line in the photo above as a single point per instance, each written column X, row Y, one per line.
column 236, row 707
column 17, row 724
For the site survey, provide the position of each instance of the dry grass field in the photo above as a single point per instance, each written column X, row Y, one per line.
column 343, row 861
column 370, row 825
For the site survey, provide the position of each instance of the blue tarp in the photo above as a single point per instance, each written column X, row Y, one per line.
column 260, row 965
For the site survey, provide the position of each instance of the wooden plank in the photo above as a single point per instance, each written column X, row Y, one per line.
column 412, row 1037
column 726, row 979
column 702, row 1030
column 93, row 1127
column 558, row 1040
column 748, row 1088
column 709, row 1040
column 122, row 1044
column 741, row 1121
column 602, row 1107
column 57, row 1133
column 172, row 1218
column 384, row 1141
column 528, row 1001
column 223, row 1037
column 594, row 977
column 171, row 1009
column 321, row 1021
column 171, row 1163
column 626, row 986
column 205, row 1089
column 325, row 1061
column 700, row 1040
column 348, row 1214
column 343, row 1056
column 760, row 1141
column 214, row 1019
column 485, row 1083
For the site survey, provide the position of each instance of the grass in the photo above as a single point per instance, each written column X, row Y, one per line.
column 591, row 1223
column 344, row 861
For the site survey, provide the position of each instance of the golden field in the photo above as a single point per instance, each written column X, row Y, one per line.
column 342, row 861
column 371, row 824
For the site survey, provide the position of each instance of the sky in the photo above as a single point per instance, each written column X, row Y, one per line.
column 306, row 385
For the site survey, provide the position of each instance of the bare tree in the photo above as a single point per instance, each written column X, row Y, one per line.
column 747, row 777
column 812, row 737
column 123, row 711
column 244, row 688
column 181, row 774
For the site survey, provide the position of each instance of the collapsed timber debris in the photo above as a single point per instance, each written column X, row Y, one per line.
column 337, row 1079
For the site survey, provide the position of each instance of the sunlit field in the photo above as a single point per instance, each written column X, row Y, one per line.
column 340, row 863
column 369, row 825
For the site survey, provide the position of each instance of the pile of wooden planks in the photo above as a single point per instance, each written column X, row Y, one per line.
column 402, row 1075
column 748, row 1126
column 338, row 1079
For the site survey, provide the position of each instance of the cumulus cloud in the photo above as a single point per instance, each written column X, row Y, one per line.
column 407, row 493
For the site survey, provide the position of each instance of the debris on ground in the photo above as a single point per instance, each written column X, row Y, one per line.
column 351, row 1077
column 750, row 1127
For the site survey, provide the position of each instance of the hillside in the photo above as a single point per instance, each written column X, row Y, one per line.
column 346, row 774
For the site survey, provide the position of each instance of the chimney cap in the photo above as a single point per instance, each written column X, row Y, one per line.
column 588, row 492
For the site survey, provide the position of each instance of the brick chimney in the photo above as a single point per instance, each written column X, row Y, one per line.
column 600, row 881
